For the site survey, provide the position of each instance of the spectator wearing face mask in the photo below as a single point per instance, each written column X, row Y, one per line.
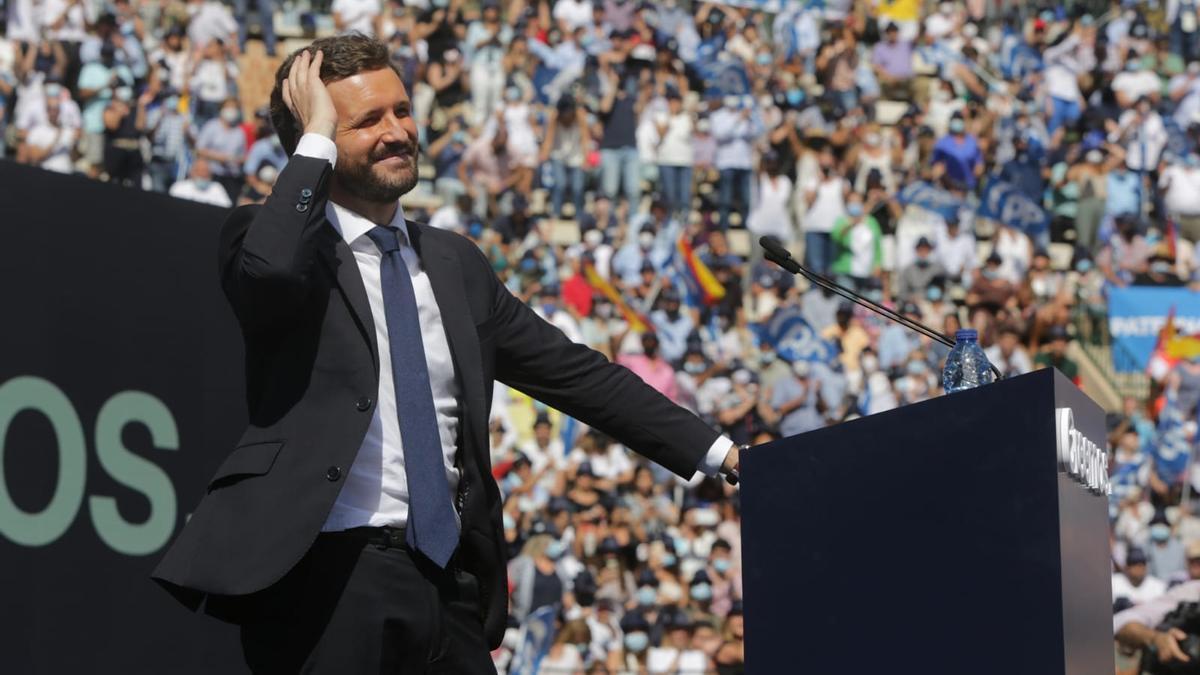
column 916, row 277
column 98, row 81
column 673, row 325
column 569, row 652
column 991, row 291
column 793, row 404
column 200, row 187
column 652, row 367
column 635, row 642
column 124, row 127
column 168, row 131
column 1180, row 186
column 212, row 82
column 676, row 655
column 957, row 155
column 222, row 142
column 735, row 125
column 1165, row 553
column 1087, row 180
column 534, row 574
column 859, row 245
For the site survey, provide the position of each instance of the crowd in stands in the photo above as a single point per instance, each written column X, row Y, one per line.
column 616, row 160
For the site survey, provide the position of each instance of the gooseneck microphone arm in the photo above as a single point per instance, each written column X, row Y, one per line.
column 776, row 253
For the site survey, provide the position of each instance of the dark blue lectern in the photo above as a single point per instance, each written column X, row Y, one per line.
column 965, row 534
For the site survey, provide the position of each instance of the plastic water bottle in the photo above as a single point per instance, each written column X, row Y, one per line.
column 967, row 366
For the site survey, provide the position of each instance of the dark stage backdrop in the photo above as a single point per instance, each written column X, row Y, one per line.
column 120, row 393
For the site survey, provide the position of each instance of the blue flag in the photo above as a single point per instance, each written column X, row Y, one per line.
column 537, row 634
column 1005, row 203
column 931, row 198
column 792, row 338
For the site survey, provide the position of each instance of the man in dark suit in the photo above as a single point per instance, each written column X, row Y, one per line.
column 356, row 527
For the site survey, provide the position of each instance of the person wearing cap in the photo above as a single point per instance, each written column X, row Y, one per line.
column 545, row 449
column 1054, row 354
column 1134, row 582
column 1165, row 555
column 918, row 275
column 990, row 291
column 892, row 61
column 1008, row 354
column 635, row 643
column 672, row 324
column 677, row 655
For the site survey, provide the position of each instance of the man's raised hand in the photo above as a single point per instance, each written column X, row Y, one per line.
column 306, row 96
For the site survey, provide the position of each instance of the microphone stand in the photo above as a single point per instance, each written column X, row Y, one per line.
column 776, row 253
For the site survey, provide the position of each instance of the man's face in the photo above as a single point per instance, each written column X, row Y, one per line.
column 1193, row 568
column 542, row 433
column 1136, row 573
column 376, row 136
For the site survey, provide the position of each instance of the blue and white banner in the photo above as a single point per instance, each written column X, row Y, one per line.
column 793, row 339
column 1003, row 202
column 537, row 634
column 1137, row 314
column 931, row 198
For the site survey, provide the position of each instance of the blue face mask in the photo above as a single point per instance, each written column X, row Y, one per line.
column 509, row 523
column 646, row 595
column 637, row 642
column 548, row 308
column 555, row 550
column 668, row 560
column 795, row 96
column 957, row 126
column 722, row 565
column 1160, row 532
column 934, row 293
column 854, row 210
column 202, row 183
column 701, row 592
column 1083, row 266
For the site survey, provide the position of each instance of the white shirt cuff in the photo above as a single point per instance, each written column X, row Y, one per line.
column 318, row 147
column 711, row 464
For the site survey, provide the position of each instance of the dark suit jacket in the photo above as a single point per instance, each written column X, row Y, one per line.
column 312, row 377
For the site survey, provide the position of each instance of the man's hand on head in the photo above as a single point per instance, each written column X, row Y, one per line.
column 306, row 96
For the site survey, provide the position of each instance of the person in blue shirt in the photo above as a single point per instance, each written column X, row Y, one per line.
column 673, row 326
column 958, row 155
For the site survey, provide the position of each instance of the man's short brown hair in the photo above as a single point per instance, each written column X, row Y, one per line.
column 344, row 56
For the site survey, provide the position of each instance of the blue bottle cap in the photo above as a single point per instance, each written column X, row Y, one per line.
column 966, row 334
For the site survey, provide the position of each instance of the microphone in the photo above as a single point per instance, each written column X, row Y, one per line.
column 776, row 253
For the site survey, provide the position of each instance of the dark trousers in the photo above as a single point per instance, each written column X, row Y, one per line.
column 356, row 607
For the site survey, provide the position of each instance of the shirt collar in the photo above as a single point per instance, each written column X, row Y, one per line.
column 352, row 225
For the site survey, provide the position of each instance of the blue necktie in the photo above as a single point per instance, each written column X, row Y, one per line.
column 432, row 528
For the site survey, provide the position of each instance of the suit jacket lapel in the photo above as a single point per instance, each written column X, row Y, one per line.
column 338, row 257
column 445, row 276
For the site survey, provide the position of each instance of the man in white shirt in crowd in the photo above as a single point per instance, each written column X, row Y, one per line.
column 1180, row 185
column 48, row 143
column 954, row 249
column 1134, row 583
column 211, row 20
column 356, row 15
column 572, row 14
column 200, row 187
column 736, row 126
column 1008, row 355
column 1135, row 82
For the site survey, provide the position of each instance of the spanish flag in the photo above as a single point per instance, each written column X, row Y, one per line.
column 636, row 321
column 710, row 290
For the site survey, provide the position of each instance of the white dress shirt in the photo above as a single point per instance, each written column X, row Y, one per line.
column 375, row 492
column 376, row 487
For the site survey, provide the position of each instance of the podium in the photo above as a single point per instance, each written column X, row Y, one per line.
column 964, row 534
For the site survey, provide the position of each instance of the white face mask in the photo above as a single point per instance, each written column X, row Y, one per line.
column 230, row 115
